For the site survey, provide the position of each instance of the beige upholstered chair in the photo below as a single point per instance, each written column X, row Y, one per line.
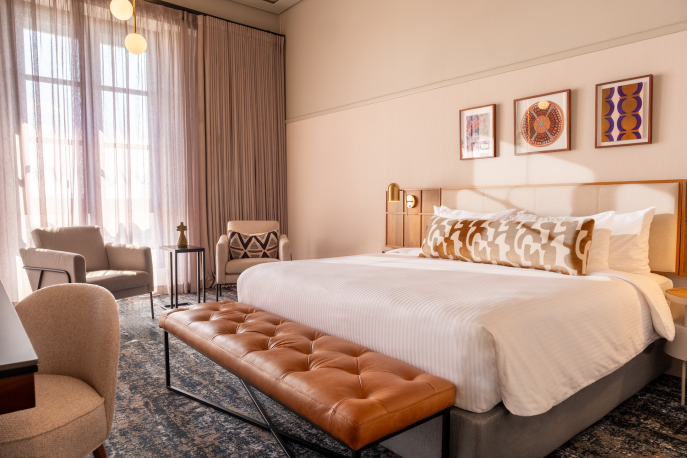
column 229, row 270
column 79, row 255
column 74, row 330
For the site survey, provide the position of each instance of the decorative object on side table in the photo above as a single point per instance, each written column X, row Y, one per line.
column 623, row 112
column 542, row 123
column 182, row 242
column 173, row 267
column 678, row 347
column 478, row 132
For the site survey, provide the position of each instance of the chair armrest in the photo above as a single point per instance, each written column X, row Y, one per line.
column 74, row 330
column 38, row 258
column 221, row 258
column 284, row 248
column 131, row 257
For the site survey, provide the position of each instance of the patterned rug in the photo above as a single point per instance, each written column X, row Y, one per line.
column 153, row 422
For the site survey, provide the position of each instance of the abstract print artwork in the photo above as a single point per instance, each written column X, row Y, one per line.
column 542, row 123
column 623, row 112
column 477, row 132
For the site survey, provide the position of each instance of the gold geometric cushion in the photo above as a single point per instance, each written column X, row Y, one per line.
column 560, row 246
column 264, row 245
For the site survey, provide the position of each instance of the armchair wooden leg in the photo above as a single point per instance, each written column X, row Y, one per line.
column 152, row 310
column 99, row 452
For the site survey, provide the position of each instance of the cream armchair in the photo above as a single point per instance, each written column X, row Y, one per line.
column 79, row 255
column 229, row 270
column 74, row 330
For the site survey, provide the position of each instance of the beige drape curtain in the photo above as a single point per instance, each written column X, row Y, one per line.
column 90, row 134
column 93, row 135
column 243, row 152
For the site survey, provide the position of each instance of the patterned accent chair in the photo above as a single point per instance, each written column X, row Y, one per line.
column 79, row 254
column 74, row 330
column 228, row 270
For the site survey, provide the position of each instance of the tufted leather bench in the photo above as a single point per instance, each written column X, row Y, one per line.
column 356, row 395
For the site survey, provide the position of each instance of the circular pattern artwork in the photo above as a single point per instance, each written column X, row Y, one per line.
column 542, row 124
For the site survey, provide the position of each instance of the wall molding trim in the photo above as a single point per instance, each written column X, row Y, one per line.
column 628, row 39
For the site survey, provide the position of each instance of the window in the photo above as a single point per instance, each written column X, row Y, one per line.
column 55, row 134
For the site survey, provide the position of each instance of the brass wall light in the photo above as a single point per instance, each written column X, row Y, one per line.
column 395, row 195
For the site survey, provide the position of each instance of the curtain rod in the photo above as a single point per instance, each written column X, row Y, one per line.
column 188, row 10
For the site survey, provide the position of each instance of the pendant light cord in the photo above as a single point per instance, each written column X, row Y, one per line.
column 134, row 16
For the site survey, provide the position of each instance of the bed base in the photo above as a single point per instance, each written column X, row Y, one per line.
column 500, row 434
column 443, row 418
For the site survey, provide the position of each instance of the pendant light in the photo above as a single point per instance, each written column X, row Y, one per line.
column 123, row 10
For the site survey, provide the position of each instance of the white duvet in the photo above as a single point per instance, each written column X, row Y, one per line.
column 525, row 337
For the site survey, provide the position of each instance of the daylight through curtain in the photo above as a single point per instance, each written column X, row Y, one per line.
column 91, row 134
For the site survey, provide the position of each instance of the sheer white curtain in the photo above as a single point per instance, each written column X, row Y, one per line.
column 92, row 134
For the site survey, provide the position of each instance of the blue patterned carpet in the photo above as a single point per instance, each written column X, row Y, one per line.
column 153, row 422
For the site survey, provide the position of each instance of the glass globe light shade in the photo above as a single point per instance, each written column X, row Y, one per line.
column 135, row 43
column 121, row 9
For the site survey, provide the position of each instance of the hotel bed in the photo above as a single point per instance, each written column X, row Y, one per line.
column 526, row 338
column 536, row 356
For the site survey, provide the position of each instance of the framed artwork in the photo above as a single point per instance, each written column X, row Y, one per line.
column 542, row 123
column 623, row 112
column 478, row 132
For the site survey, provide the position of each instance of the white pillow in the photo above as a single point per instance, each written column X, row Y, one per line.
column 464, row 214
column 630, row 241
column 601, row 237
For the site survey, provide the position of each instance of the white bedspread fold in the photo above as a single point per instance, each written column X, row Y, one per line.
column 528, row 338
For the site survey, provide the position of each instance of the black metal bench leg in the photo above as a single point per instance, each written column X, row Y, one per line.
column 167, row 375
column 446, row 433
column 356, row 453
column 152, row 310
column 217, row 290
column 264, row 416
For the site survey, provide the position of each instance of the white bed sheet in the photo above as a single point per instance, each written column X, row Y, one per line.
column 525, row 337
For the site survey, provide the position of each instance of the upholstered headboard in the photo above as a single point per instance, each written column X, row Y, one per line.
column 667, row 240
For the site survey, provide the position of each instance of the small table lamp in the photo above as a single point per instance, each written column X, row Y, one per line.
column 394, row 193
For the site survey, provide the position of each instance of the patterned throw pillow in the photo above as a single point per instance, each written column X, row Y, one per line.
column 555, row 246
column 265, row 245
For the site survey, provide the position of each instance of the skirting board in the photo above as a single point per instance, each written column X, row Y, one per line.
column 500, row 434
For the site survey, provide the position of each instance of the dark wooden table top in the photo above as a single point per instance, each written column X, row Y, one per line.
column 176, row 249
column 16, row 351
column 18, row 360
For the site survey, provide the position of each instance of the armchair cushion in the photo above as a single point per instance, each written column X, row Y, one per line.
column 117, row 280
column 264, row 245
column 84, row 240
column 237, row 266
column 69, row 420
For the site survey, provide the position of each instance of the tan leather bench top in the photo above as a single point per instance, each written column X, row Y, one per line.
column 359, row 396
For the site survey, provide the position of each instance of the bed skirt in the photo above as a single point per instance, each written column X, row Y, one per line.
column 500, row 434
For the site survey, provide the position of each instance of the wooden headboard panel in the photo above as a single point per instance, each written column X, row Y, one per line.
column 405, row 227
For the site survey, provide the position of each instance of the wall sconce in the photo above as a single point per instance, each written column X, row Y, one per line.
column 395, row 196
